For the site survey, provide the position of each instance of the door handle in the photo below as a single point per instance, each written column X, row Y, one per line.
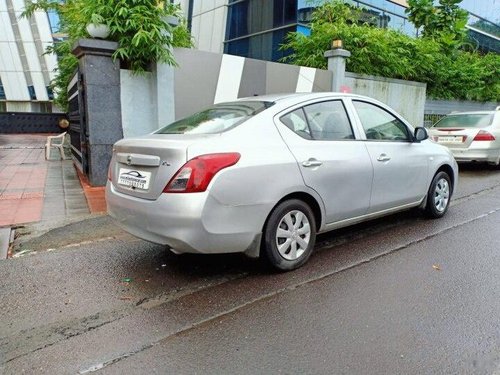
column 383, row 157
column 311, row 163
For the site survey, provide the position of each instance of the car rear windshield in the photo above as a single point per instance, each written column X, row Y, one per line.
column 219, row 118
column 477, row 120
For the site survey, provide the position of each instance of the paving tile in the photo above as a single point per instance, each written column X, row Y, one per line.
column 11, row 195
column 28, row 195
column 29, row 210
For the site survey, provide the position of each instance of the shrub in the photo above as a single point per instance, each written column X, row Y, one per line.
column 450, row 73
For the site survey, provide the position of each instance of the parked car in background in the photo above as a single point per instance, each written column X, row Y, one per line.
column 264, row 175
column 471, row 136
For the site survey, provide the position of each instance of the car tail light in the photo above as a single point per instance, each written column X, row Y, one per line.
column 483, row 135
column 109, row 172
column 196, row 174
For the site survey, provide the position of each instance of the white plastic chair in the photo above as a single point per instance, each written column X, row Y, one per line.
column 56, row 141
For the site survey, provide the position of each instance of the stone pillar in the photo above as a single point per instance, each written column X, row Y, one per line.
column 102, row 105
column 336, row 64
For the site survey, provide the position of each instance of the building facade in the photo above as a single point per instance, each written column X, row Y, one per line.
column 25, row 69
column 249, row 28
column 256, row 28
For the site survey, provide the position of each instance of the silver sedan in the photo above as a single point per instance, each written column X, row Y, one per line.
column 471, row 136
column 264, row 175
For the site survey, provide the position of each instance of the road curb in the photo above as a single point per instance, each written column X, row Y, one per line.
column 6, row 238
column 67, row 232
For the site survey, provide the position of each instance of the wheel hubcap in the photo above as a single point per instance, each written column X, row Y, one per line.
column 292, row 235
column 441, row 195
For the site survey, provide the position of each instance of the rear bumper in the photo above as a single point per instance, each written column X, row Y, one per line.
column 188, row 223
column 476, row 154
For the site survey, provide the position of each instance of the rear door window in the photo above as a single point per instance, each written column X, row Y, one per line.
column 327, row 121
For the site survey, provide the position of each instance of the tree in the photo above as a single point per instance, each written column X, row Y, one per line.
column 138, row 26
column 444, row 22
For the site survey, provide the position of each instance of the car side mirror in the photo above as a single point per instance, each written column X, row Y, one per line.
column 420, row 134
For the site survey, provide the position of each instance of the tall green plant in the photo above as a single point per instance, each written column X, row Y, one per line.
column 138, row 26
column 444, row 22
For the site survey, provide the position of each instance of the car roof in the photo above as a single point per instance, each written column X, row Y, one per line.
column 471, row 113
column 279, row 97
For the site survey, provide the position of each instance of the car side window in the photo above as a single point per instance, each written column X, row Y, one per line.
column 328, row 121
column 380, row 124
column 296, row 121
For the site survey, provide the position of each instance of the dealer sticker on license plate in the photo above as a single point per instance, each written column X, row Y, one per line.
column 451, row 139
column 134, row 178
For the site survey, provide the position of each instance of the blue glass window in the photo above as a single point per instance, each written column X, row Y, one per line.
column 31, row 90
column 54, row 21
column 253, row 16
column 50, row 93
column 2, row 91
column 263, row 46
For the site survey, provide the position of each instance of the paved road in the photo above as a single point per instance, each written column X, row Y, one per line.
column 398, row 295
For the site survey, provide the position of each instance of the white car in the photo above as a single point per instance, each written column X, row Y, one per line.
column 471, row 136
column 264, row 175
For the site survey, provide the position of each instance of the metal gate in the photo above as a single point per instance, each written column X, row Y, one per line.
column 77, row 128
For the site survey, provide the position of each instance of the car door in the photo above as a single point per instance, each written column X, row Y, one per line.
column 331, row 160
column 400, row 166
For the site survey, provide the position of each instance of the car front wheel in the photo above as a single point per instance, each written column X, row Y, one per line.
column 289, row 235
column 438, row 196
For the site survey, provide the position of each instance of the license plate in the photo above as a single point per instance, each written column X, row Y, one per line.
column 134, row 178
column 451, row 139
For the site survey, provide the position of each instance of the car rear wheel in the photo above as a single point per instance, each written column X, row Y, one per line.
column 438, row 196
column 289, row 235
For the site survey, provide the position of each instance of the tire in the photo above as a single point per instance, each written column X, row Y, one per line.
column 438, row 196
column 289, row 235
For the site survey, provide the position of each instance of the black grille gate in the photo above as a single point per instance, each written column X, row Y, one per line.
column 77, row 130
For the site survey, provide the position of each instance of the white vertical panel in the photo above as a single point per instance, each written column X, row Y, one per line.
column 228, row 84
column 6, row 58
column 195, row 30
column 39, row 84
column 13, row 79
column 18, row 5
column 205, row 35
column 32, row 57
column 219, row 30
column 3, row 6
column 24, row 29
column 207, row 5
column 197, row 7
column 305, row 83
column 15, row 86
column 6, row 32
column 42, row 23
column 50, row 60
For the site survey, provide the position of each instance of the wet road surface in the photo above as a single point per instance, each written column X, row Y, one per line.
column 397, row 295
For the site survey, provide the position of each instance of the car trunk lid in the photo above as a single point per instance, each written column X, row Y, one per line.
column 455, row 137
column 142, row 167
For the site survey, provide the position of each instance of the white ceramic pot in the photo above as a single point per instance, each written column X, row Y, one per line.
column 99, row 31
